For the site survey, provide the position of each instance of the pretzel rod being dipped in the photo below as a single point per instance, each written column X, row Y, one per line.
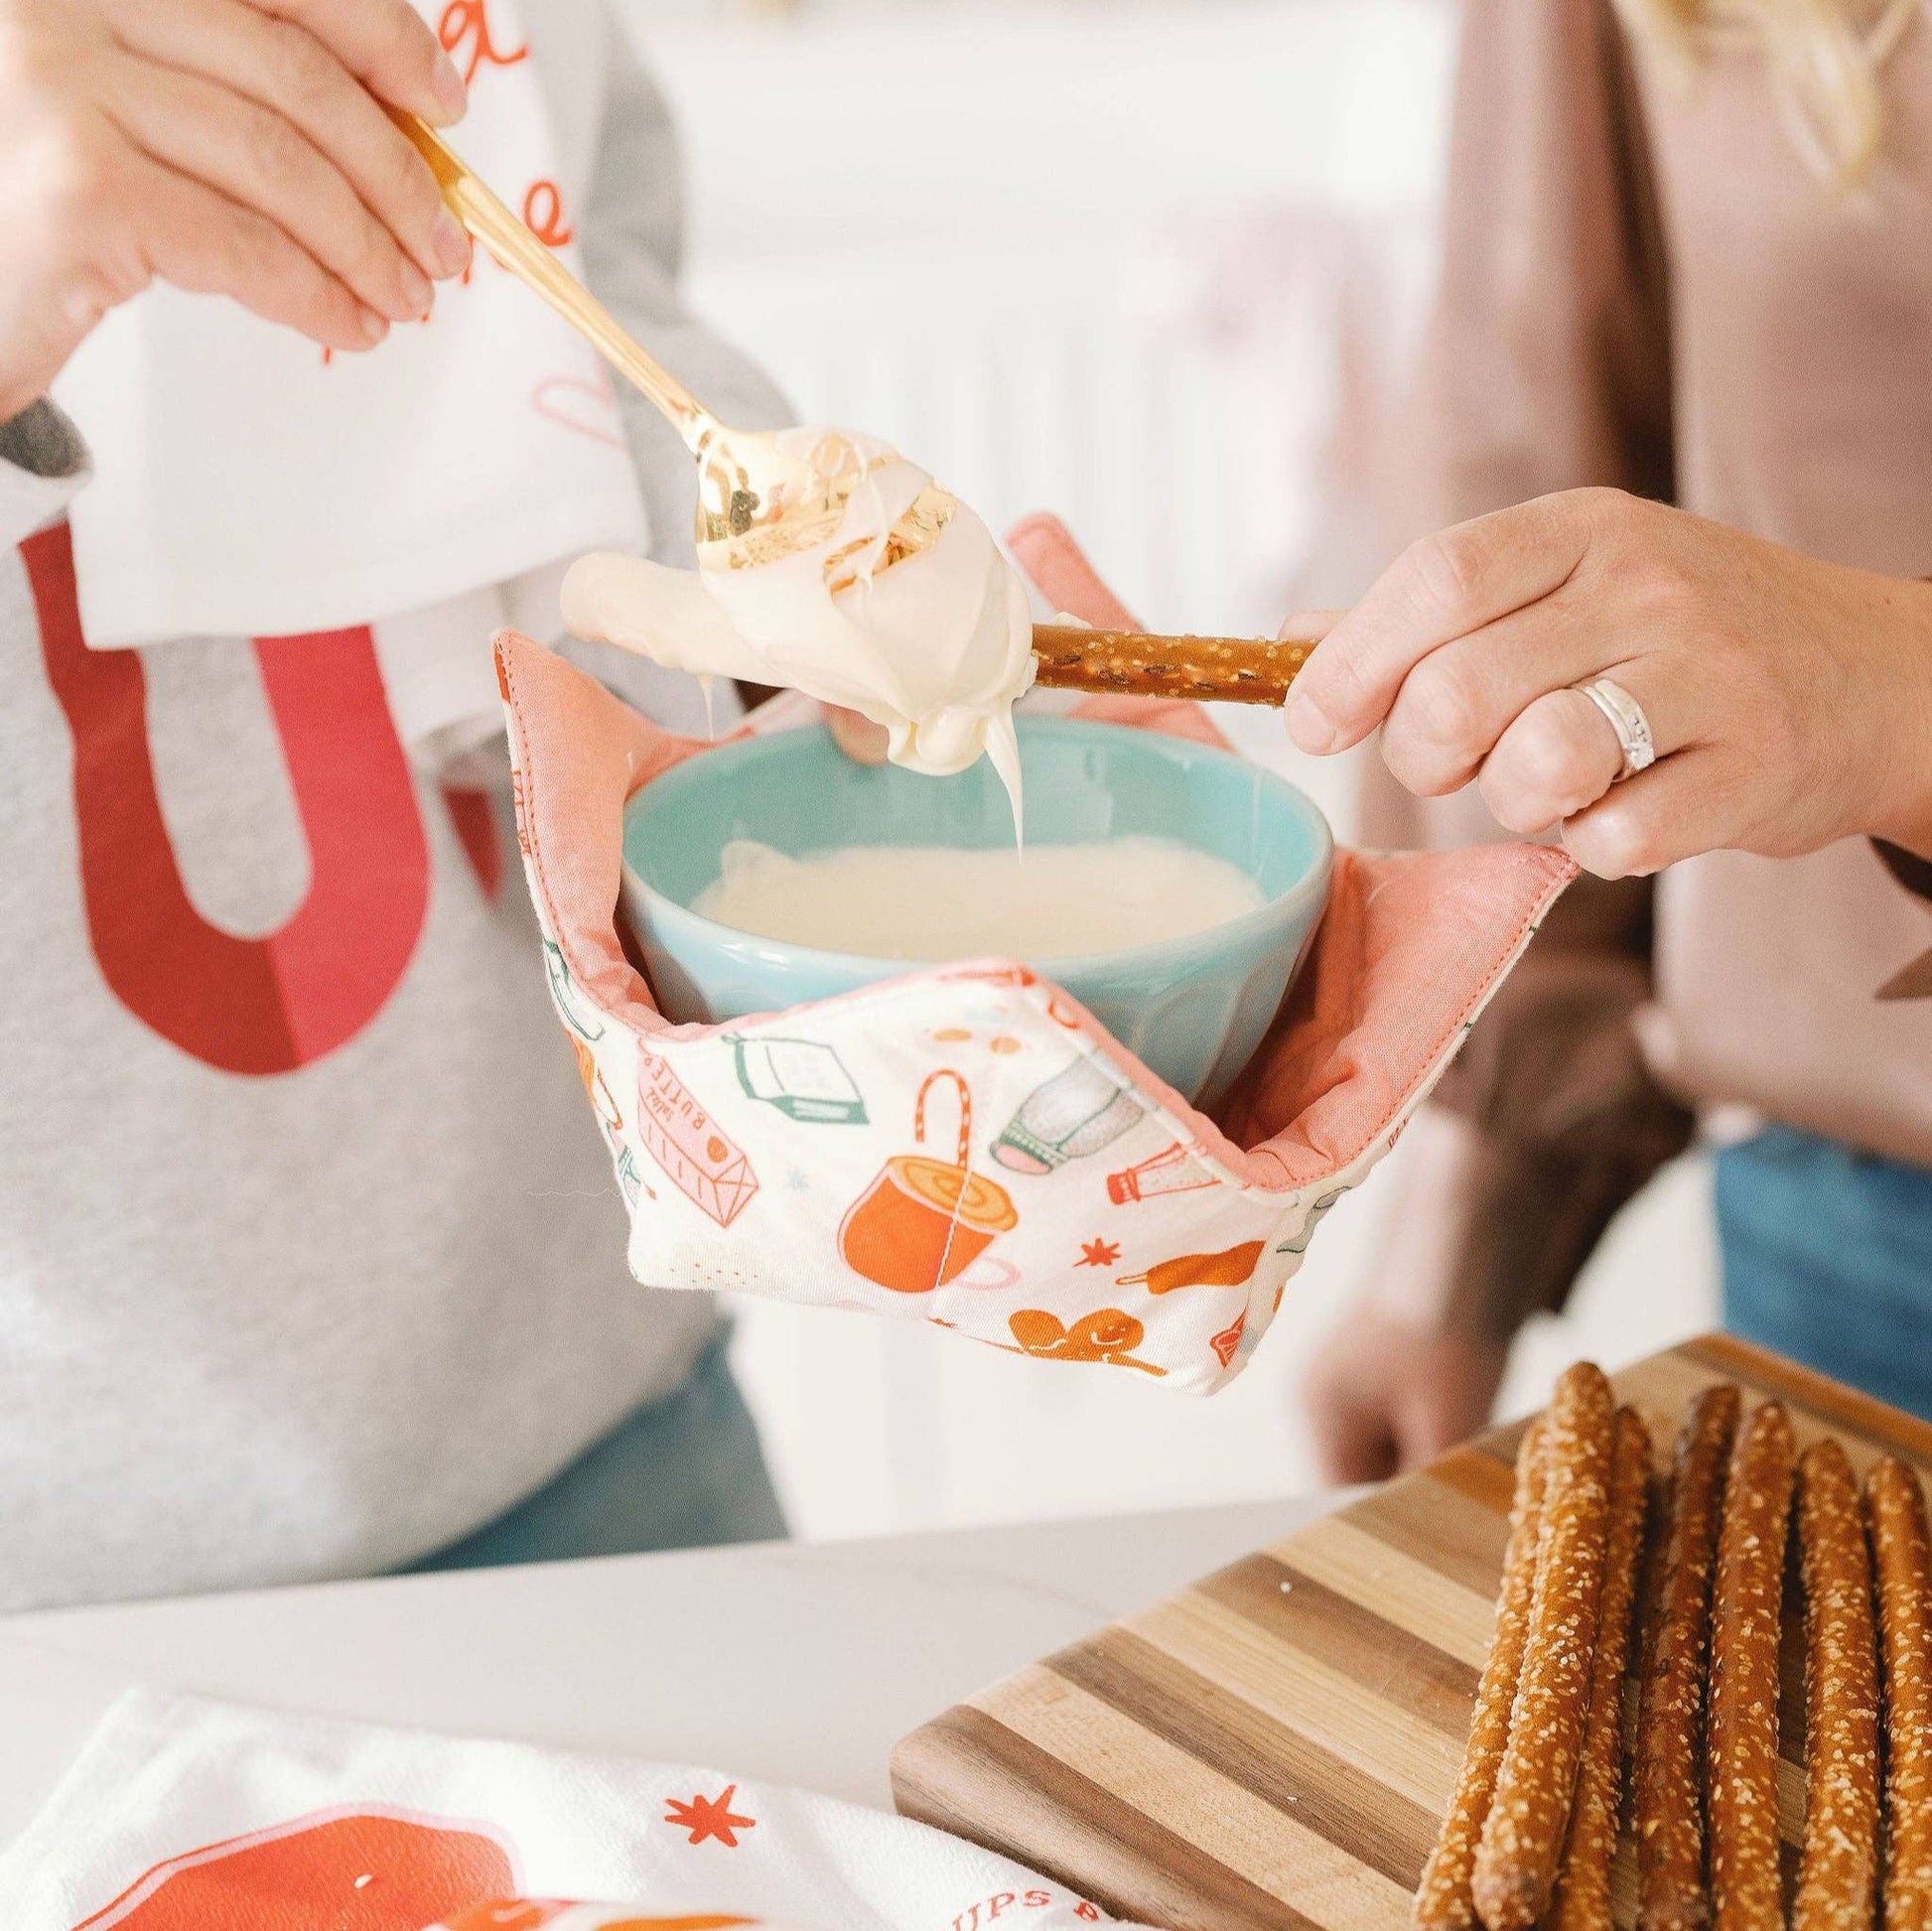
column 1895, row 1509
column 1745, row 1887
column 1672, row 1894
column 1838, row 1879
column 1584, row 1884
column 1444, row 1900
column 1523, row 1836
column 1237, row 670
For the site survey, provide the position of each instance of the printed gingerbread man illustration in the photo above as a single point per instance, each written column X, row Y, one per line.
column 1107, row 1336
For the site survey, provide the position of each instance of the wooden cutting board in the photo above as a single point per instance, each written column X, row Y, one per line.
column 1275, row 1747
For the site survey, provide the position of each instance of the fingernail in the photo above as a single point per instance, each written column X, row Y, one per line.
column 1308, row 725
column 373, row 326
column 446, row 84
column 417, row 291
column 448, row 246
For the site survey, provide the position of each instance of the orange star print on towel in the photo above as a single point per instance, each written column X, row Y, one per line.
column 708, row 1817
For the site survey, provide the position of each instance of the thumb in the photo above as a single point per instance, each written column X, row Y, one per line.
column 858, row 736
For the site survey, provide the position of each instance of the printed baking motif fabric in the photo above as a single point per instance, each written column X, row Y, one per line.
column 183, row 1814
column 964, row 1144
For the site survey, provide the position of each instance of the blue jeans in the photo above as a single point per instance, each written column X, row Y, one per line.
column 1828, row 1258
column 684, row 1471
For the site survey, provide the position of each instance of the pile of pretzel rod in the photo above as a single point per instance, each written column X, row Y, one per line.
column 1613, row 1576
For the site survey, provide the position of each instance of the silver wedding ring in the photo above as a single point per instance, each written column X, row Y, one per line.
column 1627, row 720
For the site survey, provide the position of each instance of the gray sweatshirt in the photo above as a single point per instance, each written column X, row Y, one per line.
column 311, row 1258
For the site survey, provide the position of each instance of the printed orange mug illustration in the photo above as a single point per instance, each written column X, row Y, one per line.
column 922, row 1223
column 1107, row 1336
column 1229, row 1269
column 335, row 1871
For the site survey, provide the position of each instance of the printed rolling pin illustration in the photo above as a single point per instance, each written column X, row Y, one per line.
column 922, row 1223
column 697, row 1156
column 1232, row 1268
column 803, row 1078
column 1075, row 1113
column 1172, row 1171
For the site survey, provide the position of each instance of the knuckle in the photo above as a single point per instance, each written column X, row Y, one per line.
column 300, row 73
column 1548, row 760
column 253, row 251
column 1777, row 720
column 371, row 256
column 1443, row 704
column 276, row 154
column 1443, row 570
column 1607, row 510
column 1673, row 588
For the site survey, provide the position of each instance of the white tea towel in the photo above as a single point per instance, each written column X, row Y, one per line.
column 186, row 1815
column 249, row 486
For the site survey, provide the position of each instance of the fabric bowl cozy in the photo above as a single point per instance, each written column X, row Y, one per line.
column 966, row 1143
column 1192, row 1009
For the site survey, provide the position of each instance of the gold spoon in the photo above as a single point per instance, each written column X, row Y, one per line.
column 755, row 502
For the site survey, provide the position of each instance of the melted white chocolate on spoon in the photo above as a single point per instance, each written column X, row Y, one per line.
column 898, row 604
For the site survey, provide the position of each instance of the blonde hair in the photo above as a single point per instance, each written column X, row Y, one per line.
column 1824, row 56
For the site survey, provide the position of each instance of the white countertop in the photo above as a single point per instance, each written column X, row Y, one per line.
column 796, row 1663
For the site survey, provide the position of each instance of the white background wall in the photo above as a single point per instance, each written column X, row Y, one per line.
column 1143, row 263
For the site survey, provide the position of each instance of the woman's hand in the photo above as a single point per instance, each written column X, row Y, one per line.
column 1790, row 700
column 230, row 146
column 1412, row 1368
column 1385, row 1395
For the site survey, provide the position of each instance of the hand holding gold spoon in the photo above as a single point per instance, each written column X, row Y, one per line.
column 755, row 502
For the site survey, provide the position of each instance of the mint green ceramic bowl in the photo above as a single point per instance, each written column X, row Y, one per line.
column 1192, row 1008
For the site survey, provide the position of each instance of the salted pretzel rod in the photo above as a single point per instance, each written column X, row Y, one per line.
column 1237, row 670
column 1672, row 1894
column 1746, row 1890
column 1444, row 1900
column 1902, row 1558
column 1584, row 1884
column 1838, row 1877
column 1523, row 1836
